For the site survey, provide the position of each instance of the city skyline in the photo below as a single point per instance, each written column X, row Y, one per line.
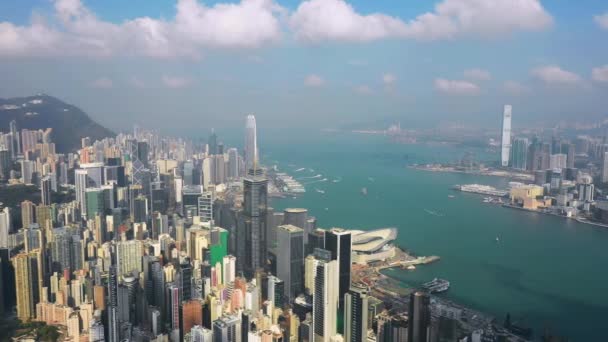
column 420, row 63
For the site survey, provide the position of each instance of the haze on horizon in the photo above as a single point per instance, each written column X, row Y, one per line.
column 316, row 63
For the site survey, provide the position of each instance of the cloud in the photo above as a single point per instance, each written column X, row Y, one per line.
column 102, row 83
column 515, row 88
column 477, row 74
column 554, row 75
column 389, row 79
column 456, row 87
column 363, row 90
column 600, row 74
column 336, row 20
column 176, row 82
column 314, row 81
column 602, row 20
column 195, row 27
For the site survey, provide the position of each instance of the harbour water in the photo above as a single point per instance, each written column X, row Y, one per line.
column 546, row 271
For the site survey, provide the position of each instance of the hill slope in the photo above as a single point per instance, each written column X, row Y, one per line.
column 68, row 122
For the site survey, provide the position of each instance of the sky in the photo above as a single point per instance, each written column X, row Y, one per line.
column 188, row 65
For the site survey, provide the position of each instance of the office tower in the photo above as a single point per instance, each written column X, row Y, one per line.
column 27, row 213
column 299, row 218
column 585, row 189
column 45, row 190
column 569, row 150
column 228, row 269
column 219, row 169
column 276, row 291
column 205, row 206
column 290, row 259
column 5, row 226
column 192, row 315
column 251, row 145
column 355, row 314
column 27, row 171
column 95, row 203
column 506, row 136
column 16, row 141
column 227, row 329
column 558, row 161
column 113, row 303
column 159, row 197
column 128, row 257
column 7, row 276
column 325, row 305
column 419, row 317
column 338, row 242
column 519, row 153
column 28, row 267
column 185, row 279
column 233, row 164
column 81, row 183
column 190, row 196
column 316, row 239
column 254, row 220
column 140, row 209
column 604, row 168
column 392, row 329
column 5, row 164
column 213, row 143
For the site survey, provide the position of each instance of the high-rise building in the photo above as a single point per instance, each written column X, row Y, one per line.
column 339, row 243
column 506, row 136
column 232, row 171
column 213, row 143
column 81, row 183
column 28, row 269
column 519, row 153
column 45, row 190
column 113, row 303
column 227, row 329
column 205, row 206
column 95, row 203
column 28, row 168
column 254, row 221
column 604, row 168
column 325, row 301
column 419, row 317
column 128, row 257
column 558, row 161
column 392, row 329
column 251, row 144
column 5, row 226
column 5, row 164
column 355, row 314
column 28, row 210
column 290, row 259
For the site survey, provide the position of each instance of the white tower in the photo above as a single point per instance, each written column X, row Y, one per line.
column 251, row 144
column 506, row 136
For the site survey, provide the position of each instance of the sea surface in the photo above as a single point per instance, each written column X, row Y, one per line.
column 547, row 272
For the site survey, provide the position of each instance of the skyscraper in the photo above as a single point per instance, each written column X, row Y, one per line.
column 251, row 144
column 28, row 210
column 45, row 190
column 290, row 259
column 506, row 136
column 419, row 317
column 519, row 153
column 338, row 243
column 605, row 168
column 325, row 305
column 5, row 226
column 27, row 277
column 355, row 314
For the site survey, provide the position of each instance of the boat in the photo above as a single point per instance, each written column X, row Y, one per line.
column 451, row 196
column 411, row 267
column 371, row 179
column 434, row 213
column 300, row 169
column 497, row 239
column 320, row 191
column 326, row 209
column 364, row 191
column 436, row 285
column 481, row 189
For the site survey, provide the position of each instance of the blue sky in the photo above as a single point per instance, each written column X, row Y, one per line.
column 188, row 65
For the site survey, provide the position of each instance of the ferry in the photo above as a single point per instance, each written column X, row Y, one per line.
column 319, row 191
column 434, row 213
column 437, row 285
column 364, row 191
column 451, row 196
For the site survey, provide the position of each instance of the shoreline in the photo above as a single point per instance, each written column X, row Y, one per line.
column 492, row 172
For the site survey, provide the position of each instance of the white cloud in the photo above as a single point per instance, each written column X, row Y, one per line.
column 554, row 75
column 456, row 87
column 327, row 20
column 176, row 82
column 602, row 20
column 363, row 90
column 102, row 83
column 314, row 81
column 248, row 24
column 389, row 79
column 600, row 74
column 477, row 74
column 515, row 88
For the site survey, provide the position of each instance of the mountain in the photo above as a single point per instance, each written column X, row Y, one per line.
column 69, row 123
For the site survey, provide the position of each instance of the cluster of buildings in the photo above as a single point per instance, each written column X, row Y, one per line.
column 166, row 240
column 564, row 172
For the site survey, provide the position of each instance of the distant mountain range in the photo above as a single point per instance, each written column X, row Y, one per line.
column 69, row 123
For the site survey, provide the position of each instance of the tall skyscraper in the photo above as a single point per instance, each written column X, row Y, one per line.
column 81, row 182
column 419, row 317
column 45, row 190
column 290, row 259
column 325, row 301
column 28, row 210
column 28, row 267
column 5, row 164
column 339, row 243
column 213, row 143
column 355, row 314
column 506, row 136
column 519, row 153
column 251, row 144
column 605, row 168
column 5, row 226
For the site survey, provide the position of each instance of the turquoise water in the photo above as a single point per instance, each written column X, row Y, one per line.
column 546, row 271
